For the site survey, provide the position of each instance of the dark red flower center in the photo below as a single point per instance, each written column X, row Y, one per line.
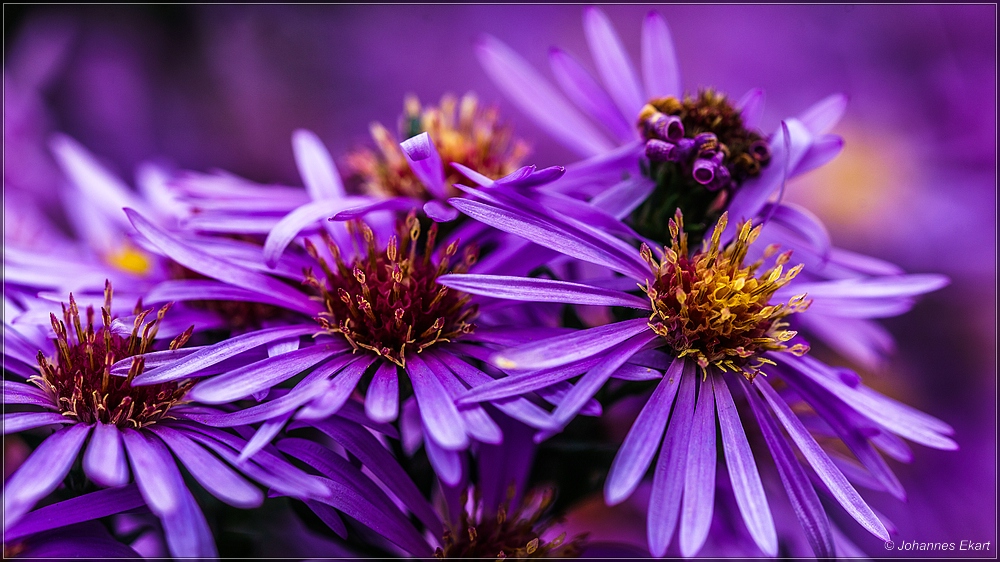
column 390, row 301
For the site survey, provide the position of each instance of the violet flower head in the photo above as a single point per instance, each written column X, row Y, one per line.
column 379, row 323
column 699, row 152
column 136, row 431
column 714, row 325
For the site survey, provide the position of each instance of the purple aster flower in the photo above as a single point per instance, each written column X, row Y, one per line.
column 380, row 325
column 713, row 324
column 68, row 381
column 701, row 153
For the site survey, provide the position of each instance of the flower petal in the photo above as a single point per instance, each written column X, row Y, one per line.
column 41, row 472
column 660, row 70
column 216, row 268
column 155, row 472
column 341, row 388
column 743, row 473
column 588, row 95
column 562, row 350
column 533, row 94
column 840, row 488
column 316, row 167
column 294, row 222
column 613, row 64
column 440, row 212
column 540, row 290
column 220, row 480
column 823, row 150
column 425, row 162
column 382, row 400
column 699, row 476
column 643, row 439
column 751, row 107
column 390, row 204
column 212, row 355
column 186, row 530
column 86, row 507
column 824, row 114
column 668, row 478
column 15, row 422
column 437, row 410
column 104, row 461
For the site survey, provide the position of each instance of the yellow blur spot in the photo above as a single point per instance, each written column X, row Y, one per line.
column 130, row 259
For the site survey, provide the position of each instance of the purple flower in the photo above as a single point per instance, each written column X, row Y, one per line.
column 68, row 382
column 379, row 323
column 703, row 152
column 713, row 324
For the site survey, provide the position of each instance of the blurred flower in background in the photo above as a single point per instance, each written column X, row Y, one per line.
column 224, row 87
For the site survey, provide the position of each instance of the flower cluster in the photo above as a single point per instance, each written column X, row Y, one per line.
column 413, row 348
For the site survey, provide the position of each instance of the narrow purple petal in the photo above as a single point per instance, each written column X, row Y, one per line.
column 99, row 186
column 823, row 150
column 802, row 223
column 186, row 529
column 743, row 473
column 874, row 287
column 660, row 70
column 441, row 419
column 699, row 476
column 753, row 195
column 391, row 204
column 613, row 64
column 220, row 480
column 192, row 289
column 20, row 393
column 824, row 114
column 556, row 394
column 155, row 472
column 518, row 408
column 264, row 434
column 621, row 199
column 104, row 460
column 751, row 107
column 594, row 379
column 588, row 95
column 859, row 264
column 87, row 507
column 533, row 94
column 478, row 423
column 800, row 492
column 447, row 463
column 23, row 421
column 341, row 387
column 425, row 162
column 329, row 516
column 540, row 290
column 41, row 472
column 222, row 270
column 382, row 400
column 559, row 235
column 562, row 350
column 373, row 455
column 215, row 354
column 251, row 378
column 316, row 167
column 522, row 383
column 440, row 212
column 220, row 223
column 893, row 446
column 644, row 437
column 668, row 478
column 294, row 222
column 861, row 340
column 840, row 488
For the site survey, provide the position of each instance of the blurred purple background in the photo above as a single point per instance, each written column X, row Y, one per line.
column 225, row 86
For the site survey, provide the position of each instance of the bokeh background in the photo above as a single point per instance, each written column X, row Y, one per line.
column 206, row 87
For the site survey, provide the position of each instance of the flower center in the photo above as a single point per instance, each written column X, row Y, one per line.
column 709, row 307
column 462, row 131
column 79, row 377
column 390, row 302
column 699, row 153
column 505, row 535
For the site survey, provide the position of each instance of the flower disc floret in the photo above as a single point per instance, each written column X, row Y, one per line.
column 712, row 308
column 462, row 131
column 390, row 301
column 79, row 377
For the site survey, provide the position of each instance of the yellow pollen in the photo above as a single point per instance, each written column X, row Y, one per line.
column 713, row 309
